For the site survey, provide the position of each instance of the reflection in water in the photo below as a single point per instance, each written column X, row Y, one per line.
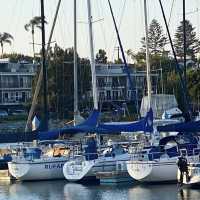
column 61, row 190
column 37, row 190
column 153, row 192
column 80, row 192
column 188, row 193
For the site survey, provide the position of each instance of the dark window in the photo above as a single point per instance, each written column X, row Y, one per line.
column 21, row 82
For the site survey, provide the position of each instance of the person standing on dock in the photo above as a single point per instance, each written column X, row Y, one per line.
column 183, row 167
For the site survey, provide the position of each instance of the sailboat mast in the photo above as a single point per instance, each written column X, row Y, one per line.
column 45, row 120
column 184, row 47
column 148, row 69
column 92, row 60
column 75, row 66
column 39, row 81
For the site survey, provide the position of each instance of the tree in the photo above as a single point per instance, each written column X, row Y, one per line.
column 192, row 43
column 5, row 38
column 101, row 57
column 118, row 61
column 156, row 39
column 15, row 57
column 35, row 22
column 61, row 81
column 193, row 83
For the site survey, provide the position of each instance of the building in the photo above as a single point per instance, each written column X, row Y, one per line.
column 113, row 84
column 15, row 82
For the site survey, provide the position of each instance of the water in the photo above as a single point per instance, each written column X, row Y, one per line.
column 61, row 190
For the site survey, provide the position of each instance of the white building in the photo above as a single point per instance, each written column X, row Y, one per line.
column 15, row 82
column 113, row 84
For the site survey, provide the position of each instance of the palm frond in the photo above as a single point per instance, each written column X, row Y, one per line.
column 8, row 41
column 7, row 36
column 35, row 21
column 27, row 26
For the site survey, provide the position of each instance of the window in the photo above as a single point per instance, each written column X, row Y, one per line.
column 115, row 82
column 115, row 95
column 21, row 82
column 108, row 95
column 101, row 95
column 17, row 96
column 23, row 96
column 101, row 82
column 6, row 95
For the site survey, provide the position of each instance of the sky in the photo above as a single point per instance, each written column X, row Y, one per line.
column 14, row 14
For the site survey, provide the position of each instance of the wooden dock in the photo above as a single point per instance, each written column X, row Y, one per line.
column 6, row 176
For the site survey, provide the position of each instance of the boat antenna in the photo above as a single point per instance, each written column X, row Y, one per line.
column 45, row 120
column 147, row 56
column 92, row 59
column 122, row 50
column 187, row 113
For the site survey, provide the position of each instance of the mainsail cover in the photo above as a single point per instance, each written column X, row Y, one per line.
column 86, row 126
column 91, row 126
column 193, row 126
column 145, row 124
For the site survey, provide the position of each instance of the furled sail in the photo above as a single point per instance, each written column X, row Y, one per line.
column 86, row 126
column 193, row 126
column 145, row 124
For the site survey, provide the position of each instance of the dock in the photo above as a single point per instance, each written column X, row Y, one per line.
column 6, row 176
column 114, row 177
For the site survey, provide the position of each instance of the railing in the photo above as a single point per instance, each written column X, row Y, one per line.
column 140, row 155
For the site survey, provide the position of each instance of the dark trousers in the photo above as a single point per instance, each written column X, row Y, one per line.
column 182, row 174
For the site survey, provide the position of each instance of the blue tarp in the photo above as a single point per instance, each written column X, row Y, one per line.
column 145, row 125
column 90, row 126
column 86, row 126
column 193, row 126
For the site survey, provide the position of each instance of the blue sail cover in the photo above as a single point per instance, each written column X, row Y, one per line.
column 86, row 126
column 193, row 126
column 146, row 125
column 90, row 125
column 48, row 135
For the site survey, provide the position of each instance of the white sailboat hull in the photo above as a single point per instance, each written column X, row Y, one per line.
column 37, row 169
column 153, row 171
column 162, row 170
column 74, row 171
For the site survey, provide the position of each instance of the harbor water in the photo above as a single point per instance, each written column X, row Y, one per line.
column 62, row 190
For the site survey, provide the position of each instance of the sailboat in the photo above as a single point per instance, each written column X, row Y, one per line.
column 157, row 162
column 94, row 160
column 35, row 163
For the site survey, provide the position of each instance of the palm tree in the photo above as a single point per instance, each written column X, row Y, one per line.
column 5, row 38
column 35, row 22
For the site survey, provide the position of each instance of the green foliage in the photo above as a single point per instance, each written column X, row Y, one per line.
column 101, row 57
column 35, row 22
column 193, row 80
column 118, row 61
column 15, row 57
column 192, row 43
column 61, row 81
column 5, row 38
column 156, row 39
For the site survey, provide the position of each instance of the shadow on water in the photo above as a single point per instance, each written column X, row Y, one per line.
column 61, row 190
